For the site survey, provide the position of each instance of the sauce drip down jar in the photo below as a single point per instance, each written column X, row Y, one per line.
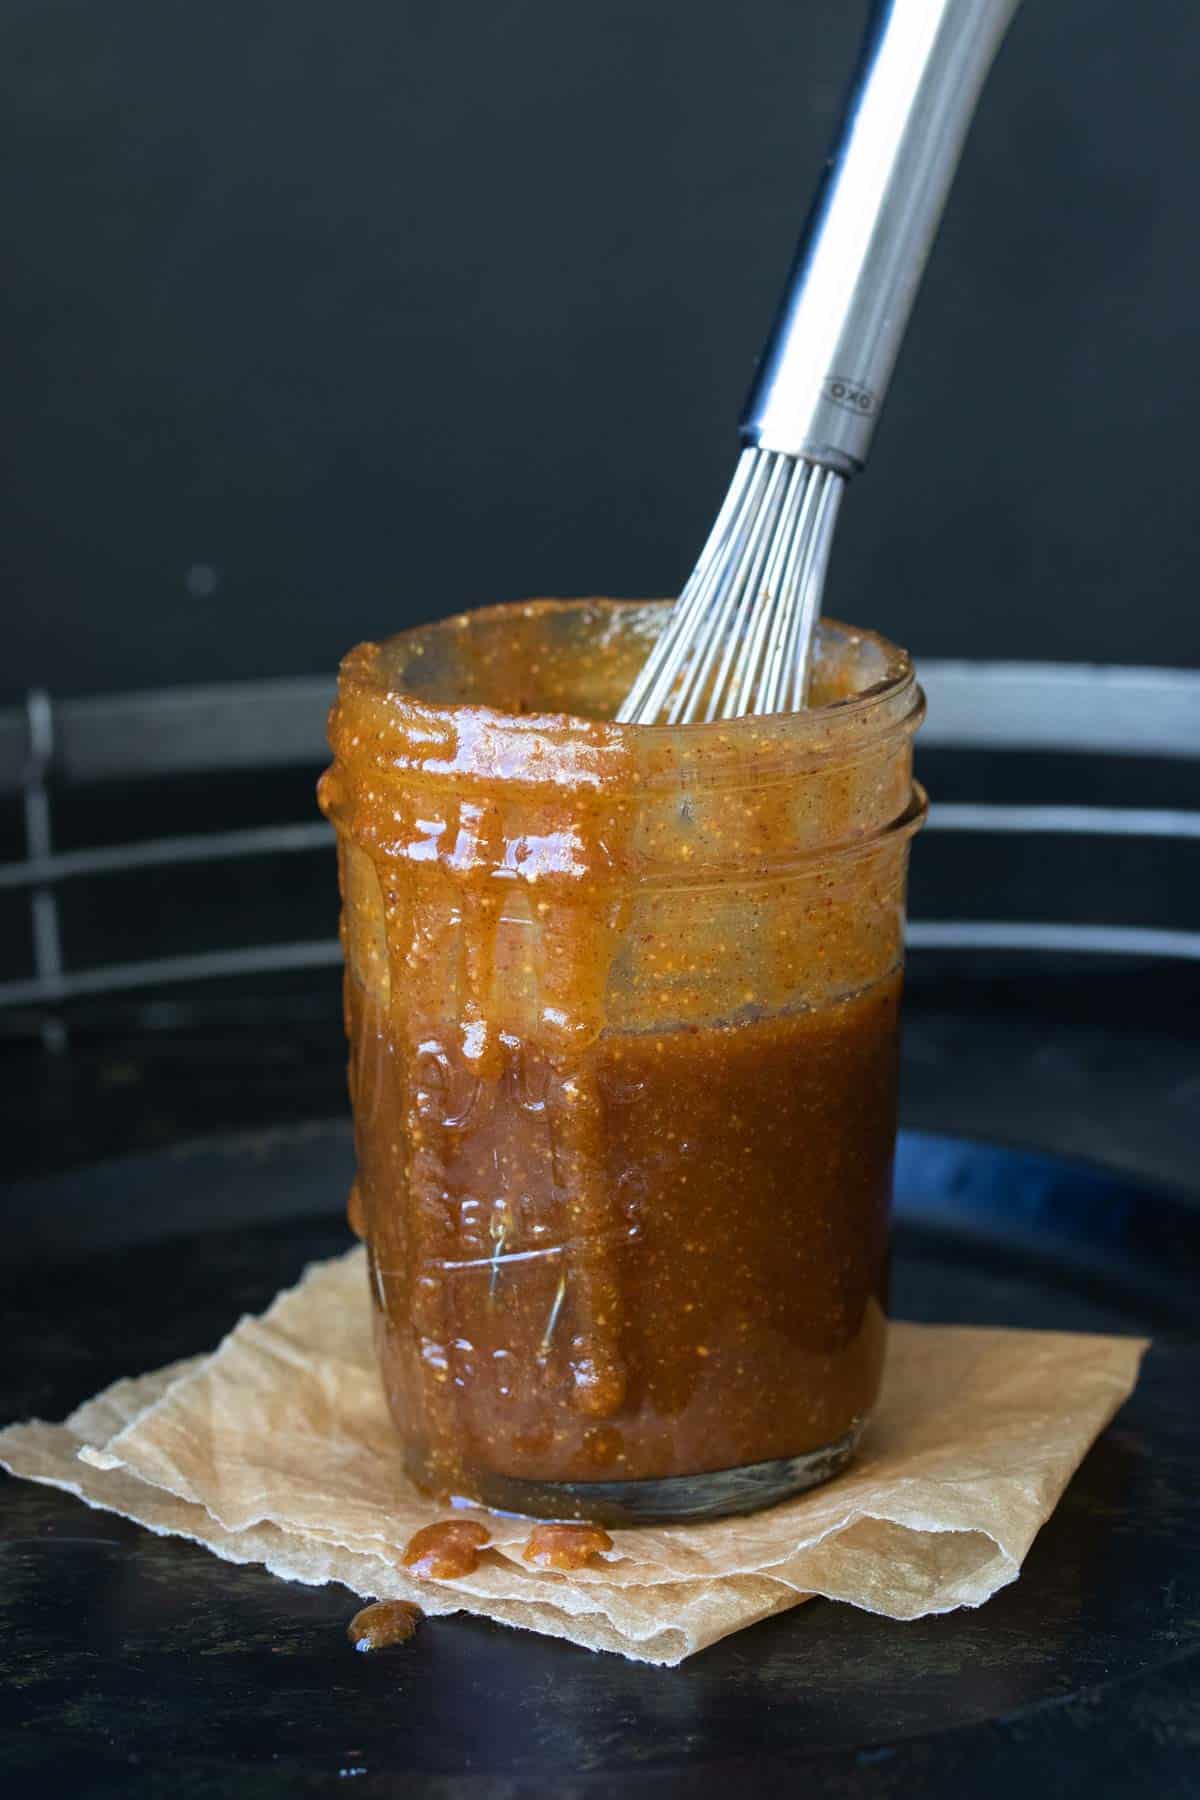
column 622, row 1004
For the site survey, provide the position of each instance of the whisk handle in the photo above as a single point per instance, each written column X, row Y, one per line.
column 826, row 365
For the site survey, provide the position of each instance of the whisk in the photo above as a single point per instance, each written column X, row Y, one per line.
column 739, row 638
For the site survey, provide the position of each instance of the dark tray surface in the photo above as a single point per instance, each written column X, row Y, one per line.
column 143, row 1664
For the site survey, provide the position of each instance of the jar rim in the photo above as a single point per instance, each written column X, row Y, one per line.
column 363, row 668
column 380, row 729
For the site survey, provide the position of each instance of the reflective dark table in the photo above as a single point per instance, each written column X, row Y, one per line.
column 142, row 1665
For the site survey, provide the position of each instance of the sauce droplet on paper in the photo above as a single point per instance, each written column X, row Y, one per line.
column 444, row 1551
column 565, row 1546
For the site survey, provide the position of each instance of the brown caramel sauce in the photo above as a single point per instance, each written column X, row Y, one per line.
column 384, row 1623
column 355, row 1216
column 605, row 1244
column 750, row 1305
column 565, row 1547
column 446, row 1550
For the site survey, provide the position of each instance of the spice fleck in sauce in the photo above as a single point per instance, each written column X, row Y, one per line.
column 447, row 1550
column 386, row 1622
column 565, row 1547
column 623, row 1011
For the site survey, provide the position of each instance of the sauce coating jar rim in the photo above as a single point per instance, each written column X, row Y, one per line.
column 399, row 728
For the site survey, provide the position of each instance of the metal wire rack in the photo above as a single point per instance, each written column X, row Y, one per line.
column 1140, row 712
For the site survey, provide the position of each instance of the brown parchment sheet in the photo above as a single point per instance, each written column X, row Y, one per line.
column 278, row 1449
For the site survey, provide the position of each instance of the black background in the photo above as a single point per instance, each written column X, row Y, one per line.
column 321, row 319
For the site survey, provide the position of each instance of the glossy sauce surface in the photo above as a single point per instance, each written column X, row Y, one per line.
column 384, row 1623
column 613, row 1236
column 727, row 1309
column 565, row 1547
column 443, row 1551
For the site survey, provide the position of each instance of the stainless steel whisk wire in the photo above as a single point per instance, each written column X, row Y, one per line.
column 739, row 638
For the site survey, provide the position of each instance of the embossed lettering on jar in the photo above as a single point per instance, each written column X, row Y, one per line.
column 622, row 1006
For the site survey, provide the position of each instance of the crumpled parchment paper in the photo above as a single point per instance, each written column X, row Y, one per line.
column 278, row 1449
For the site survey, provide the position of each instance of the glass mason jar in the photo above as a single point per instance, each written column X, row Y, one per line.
column 622, row 1004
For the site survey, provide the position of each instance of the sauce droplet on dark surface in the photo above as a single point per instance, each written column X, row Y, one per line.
column 442, row 1552
column 384, row 1623
column 565, row 1546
